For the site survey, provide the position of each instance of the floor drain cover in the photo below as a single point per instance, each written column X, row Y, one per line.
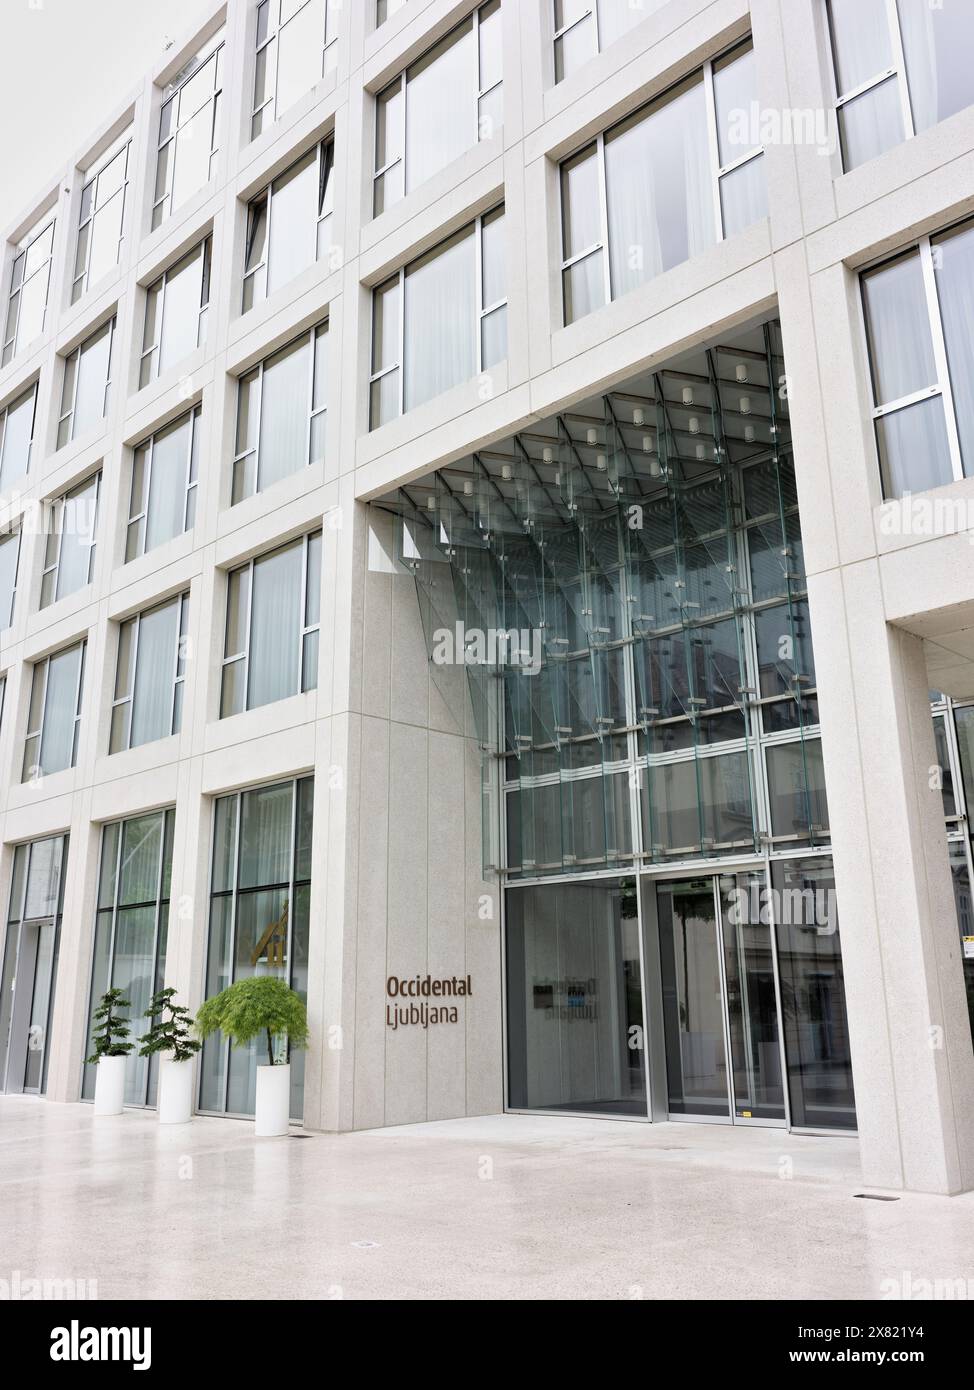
column 874, row 1197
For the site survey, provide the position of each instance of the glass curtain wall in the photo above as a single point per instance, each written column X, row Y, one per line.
column 259, row 922
column 131, row 929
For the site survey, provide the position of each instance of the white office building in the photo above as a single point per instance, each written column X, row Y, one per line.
column 488, row 499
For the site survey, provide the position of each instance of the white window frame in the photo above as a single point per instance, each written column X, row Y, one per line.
column 310, row 337
column 897, row 70
column 162, row 205
column 329, row 55
column 34, row 770
column 4, row 413
column 257, row 274
column 159, row 286
column 399, row 278
column 11, row 341
column 56, row 514
column 178, row 672
column 402, row 82
column 717, row 171
column 243, row 655
column 139, row 518
column 942, row 387
column 80, row 284
column 593, row 12
column 76, row 354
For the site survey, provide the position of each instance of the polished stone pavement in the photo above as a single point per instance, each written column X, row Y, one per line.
column 507, row 1206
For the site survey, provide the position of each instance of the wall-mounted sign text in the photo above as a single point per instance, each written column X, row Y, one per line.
column 422, row 988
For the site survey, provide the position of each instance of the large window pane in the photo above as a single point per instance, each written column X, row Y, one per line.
column 275, row 626
column 179, row 331
column 17, row 425
column 860, row 41
column 913, row 451
column 871, row 123
column 900, row 347
column 294, row 212
column 154, row 674
column 284, row 413
column 440, row 313
column 796, row 789
column 574, row 999
column 937, row 44
column 953, row 260
column 94, row 363
column 167, row 496
column 813, row 995
column 441, row 115
column 9, row 556
column 659, row 190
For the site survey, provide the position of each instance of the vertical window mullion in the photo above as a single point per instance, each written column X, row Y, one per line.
column 604, row 220
column 899, row 59
column 78, row 693
column 232, row 962
column 160, row 326
column 251, row 576
column 305, row 547
column 130, row 714
column 260, row 402
column 292, row 867
column 402, row 339
column 940, row 356
column 479, row 242
column 175, row 662
column 39, row 765
column 155, row 939
column 94, row 531
column 311, row 398
column 187, row 477
column 147, row 499
column 712, row 146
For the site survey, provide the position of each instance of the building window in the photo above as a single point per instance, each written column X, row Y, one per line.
column 662, row 186
column 55, row 712
column 917, row 313
column 273, row 612
column 900, row 66
column 189, row 132
column 149, row 675
column 69, row 559
column 101, row 226
column 86, row 383
column 439, row 107
column 440, row 321
column 282, row 410
column 131, row 930
column 9, row 564
column 385, row 9
column 30, row 961
column 289, row 226
column 165, row 469
column 29, row 284
column 176, row 310
column 586, row 27
column 296, row 47
column 260, row 897
column 17, row 437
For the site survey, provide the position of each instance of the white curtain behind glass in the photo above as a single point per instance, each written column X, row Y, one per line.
column 9, row 552
column 660, row 200
column 899, row 330
column 284, row 414
column 167, row 489
column 154, row 673
column 440, row 325
column 57, row 738
column 89, row 404
column 441, row 109
column 275, row 626
column 918, row 25
column 294, row 212
column 265, row 842
column 180, row 318
column 43, row 878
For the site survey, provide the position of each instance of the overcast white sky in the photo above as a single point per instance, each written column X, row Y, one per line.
column 66, row 65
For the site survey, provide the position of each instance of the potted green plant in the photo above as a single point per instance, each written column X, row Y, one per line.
column 110, row 1038
column 261, row 1006
column 169, row 1039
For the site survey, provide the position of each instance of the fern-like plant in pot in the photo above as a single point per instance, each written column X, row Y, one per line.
column 264, row 1008
column 110, row 1039
column 170, row 1039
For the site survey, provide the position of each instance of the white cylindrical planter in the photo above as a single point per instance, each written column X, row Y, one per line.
column 175, row 1091
column 110, row 1085
column 273, row 1101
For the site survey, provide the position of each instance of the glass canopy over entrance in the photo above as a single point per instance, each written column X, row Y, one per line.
column 624, row 584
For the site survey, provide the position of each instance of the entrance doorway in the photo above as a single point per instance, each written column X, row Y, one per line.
column 724, row 1058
